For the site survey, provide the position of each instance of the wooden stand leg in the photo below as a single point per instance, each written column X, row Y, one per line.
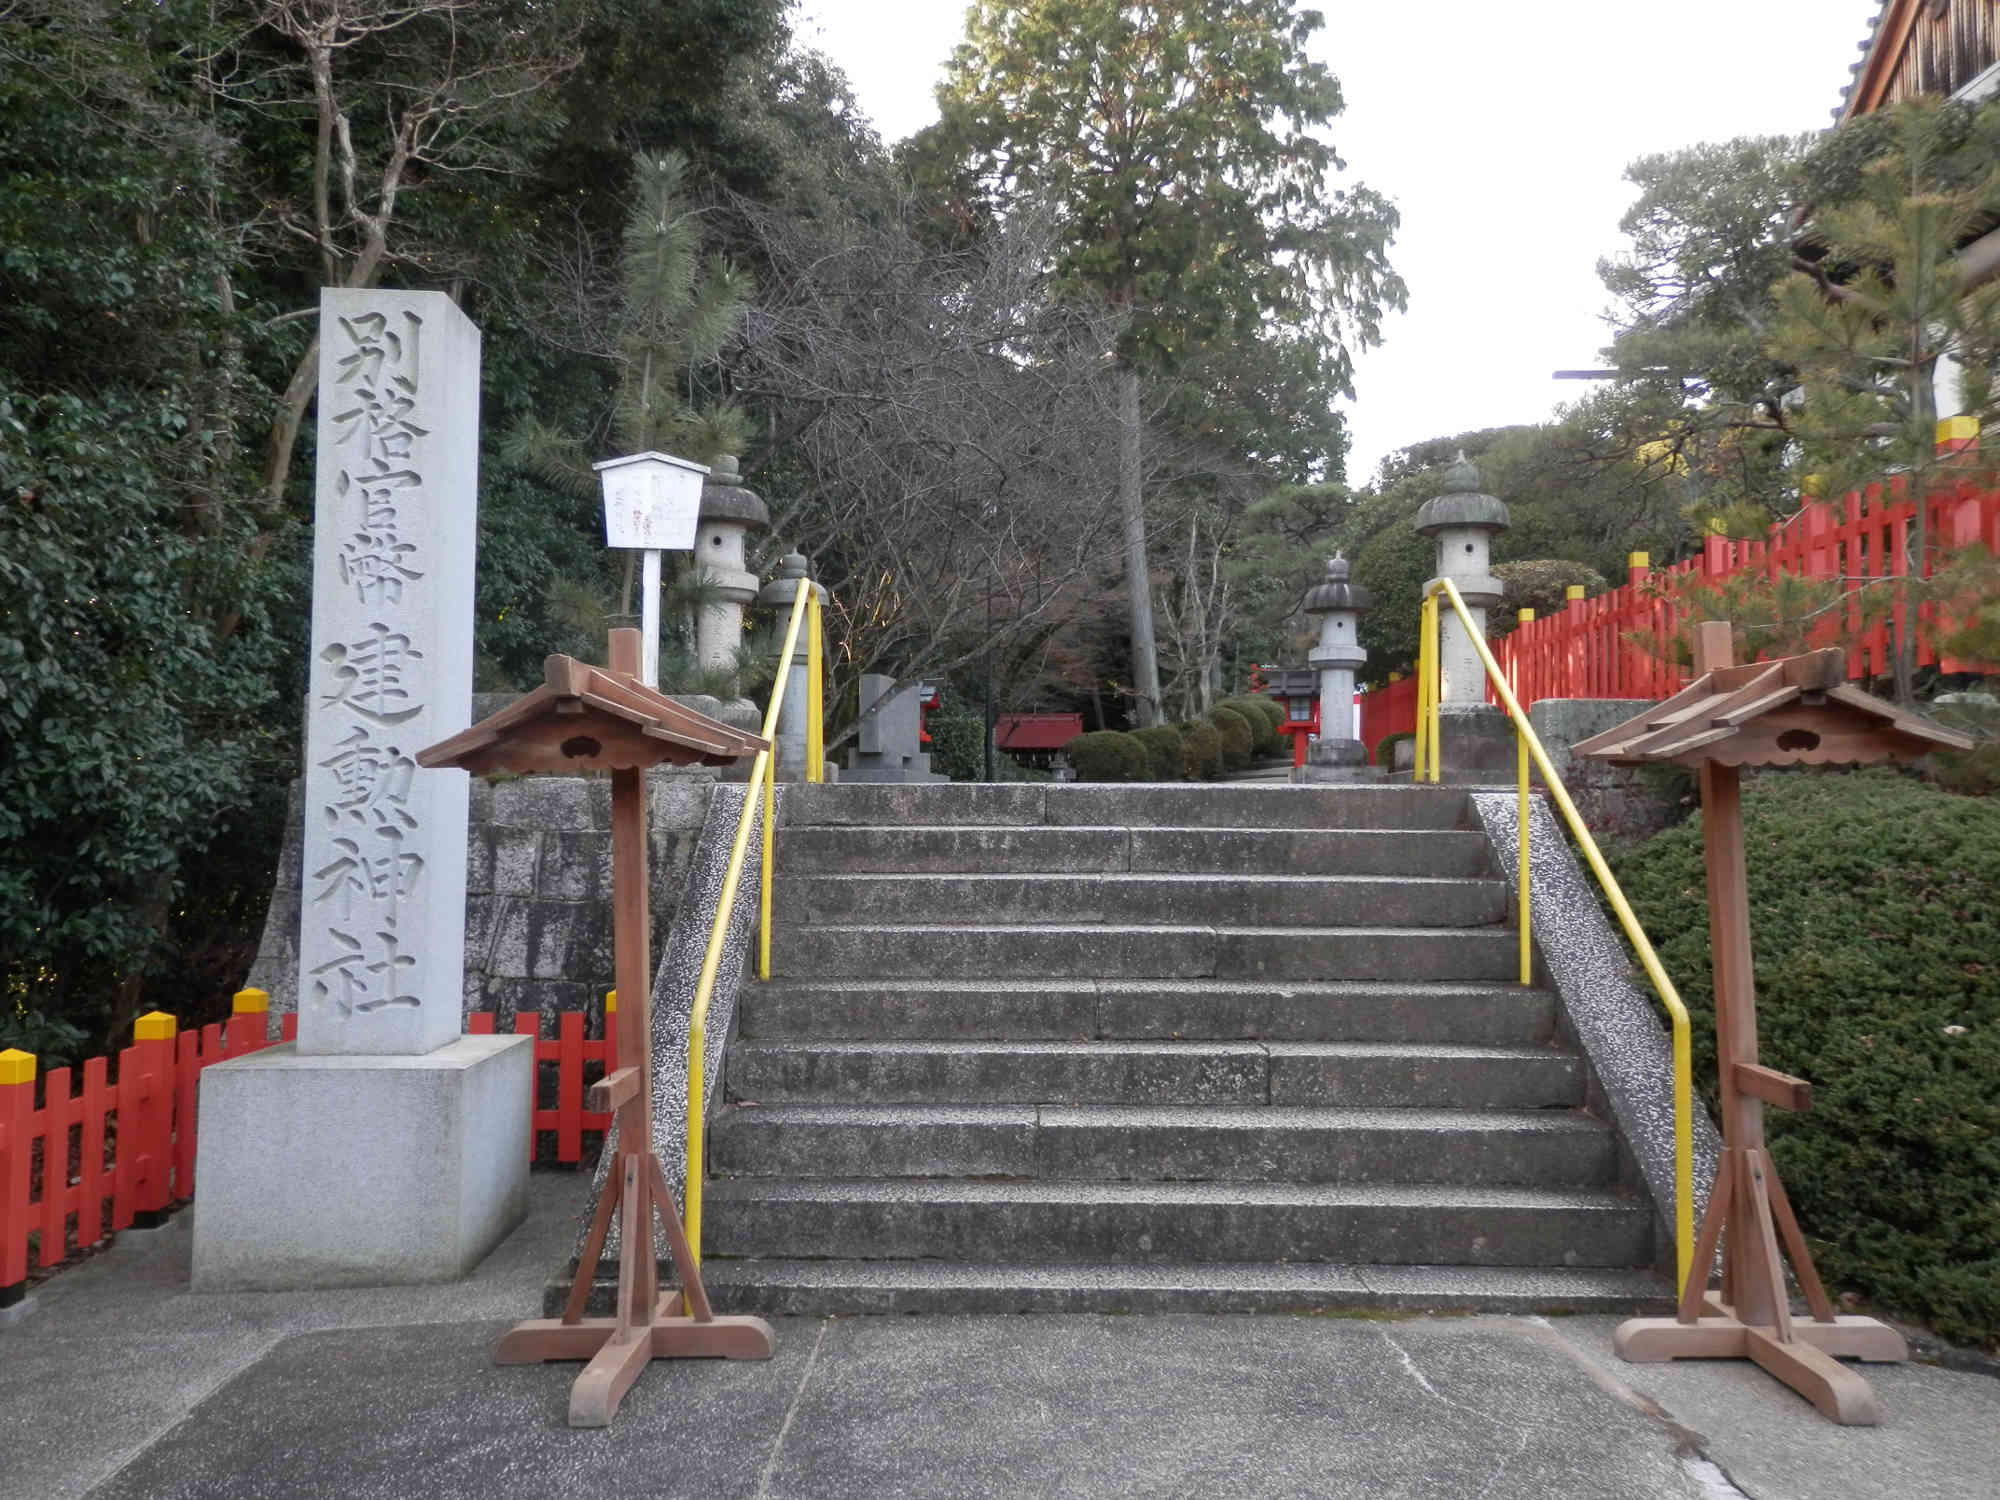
column 645, row 1326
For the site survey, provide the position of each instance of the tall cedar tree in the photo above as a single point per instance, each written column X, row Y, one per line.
column 1175, row 139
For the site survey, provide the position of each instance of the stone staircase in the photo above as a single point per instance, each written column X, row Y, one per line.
column 1133, row 1048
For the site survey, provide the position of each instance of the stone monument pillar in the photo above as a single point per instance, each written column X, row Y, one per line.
column 789, row 749
column 1475, row 737
column 1336, row 755
column 889, row 744
column 729, row 513
column 383, row 1147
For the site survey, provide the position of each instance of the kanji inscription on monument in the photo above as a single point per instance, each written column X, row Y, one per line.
column 382, row 925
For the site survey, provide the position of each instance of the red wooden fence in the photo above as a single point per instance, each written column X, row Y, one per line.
column 1585, row 650
column 119, row 1150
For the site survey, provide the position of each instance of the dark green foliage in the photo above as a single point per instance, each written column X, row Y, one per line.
column 1266, row 719
column 1166, row 752
column 1107, row 755
column 1541, row 584
column 1264, row 737
column 127, row 730
column 1875, row 919
column 1385, row 748
column 1203, row 755
column 958, row 741
column 1239, row 741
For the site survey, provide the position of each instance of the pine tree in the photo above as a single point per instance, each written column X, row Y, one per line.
column 1890, row 304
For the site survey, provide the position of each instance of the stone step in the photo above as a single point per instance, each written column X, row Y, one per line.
column 825, row 1288
column 1164, row 952
column 1198, row 1009
column 1273, row 900
column 1351, row 1075
column 957, row 1220
column 1002, row 849
column 1532, row 1148
column 1138, row 806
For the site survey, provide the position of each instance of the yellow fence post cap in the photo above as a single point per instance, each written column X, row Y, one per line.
column 1639, row 560
column 1957, row 429
column 1574, row 591
column 17, row 1066
column 153, row 1026
column 1524, row 615
column 250, row 1002
column 610, row 1002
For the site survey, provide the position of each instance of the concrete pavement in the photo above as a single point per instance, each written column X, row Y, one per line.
column 121, row 1383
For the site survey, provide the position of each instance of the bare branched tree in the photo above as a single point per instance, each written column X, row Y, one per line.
column 397, row 91
column 942, row 438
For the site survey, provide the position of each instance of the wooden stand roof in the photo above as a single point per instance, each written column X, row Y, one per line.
column 585, row 718
column 1798, row 711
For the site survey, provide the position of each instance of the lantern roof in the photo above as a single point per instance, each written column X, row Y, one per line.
column 1800, row 710
column 1335, row 592
column 1462, row 504
column 724, row 498
column 587, row 718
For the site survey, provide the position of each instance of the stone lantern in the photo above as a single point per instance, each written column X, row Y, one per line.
column 1337, row 656
column 729, row 513
column 1464, row 520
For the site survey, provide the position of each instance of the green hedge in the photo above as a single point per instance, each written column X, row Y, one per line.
column 1107, row 755
column 1203, row 742
column 1166, row 752
column 1238, row 739
column 1263, row 716
column 1875, row 922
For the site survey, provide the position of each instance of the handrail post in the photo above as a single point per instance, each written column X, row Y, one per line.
column 761, row 772
column 815, row 692
column 1521, row 823
column 1648, row 959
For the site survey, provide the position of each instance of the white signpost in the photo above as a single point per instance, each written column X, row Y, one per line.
column 652, row 502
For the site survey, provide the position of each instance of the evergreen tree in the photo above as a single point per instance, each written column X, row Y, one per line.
column 1888, row 307
column 1176, row 140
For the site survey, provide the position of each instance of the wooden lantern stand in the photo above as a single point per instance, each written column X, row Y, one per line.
column 592, row 718
column 1799, row 710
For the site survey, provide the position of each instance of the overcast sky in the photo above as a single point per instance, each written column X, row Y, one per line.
column 1501, row 131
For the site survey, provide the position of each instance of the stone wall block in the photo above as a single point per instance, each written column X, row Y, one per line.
column 576, row 867
column 546, row 802
column 517, row 855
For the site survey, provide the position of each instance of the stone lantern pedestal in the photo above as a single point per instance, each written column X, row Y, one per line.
column 1476, row 740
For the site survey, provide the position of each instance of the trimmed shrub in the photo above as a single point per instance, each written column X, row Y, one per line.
column 1385, row 750
column 1263, row 716
column 1875, row 925
column 1166, row 754
column 1203, row 752
column 1238, row 741
column 1107, row 755
column 1541, row 584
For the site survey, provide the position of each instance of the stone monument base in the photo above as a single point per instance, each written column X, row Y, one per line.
column 338, row 1170
column 1336, row 761
column 1478, row 746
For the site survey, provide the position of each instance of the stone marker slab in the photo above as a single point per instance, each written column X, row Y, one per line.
column 381, row 928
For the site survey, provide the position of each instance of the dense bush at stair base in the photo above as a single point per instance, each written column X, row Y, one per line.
column 1238, row 740
column 1203, row 744
column 1107, row 755
column 1166, row 752
column 1875, row 919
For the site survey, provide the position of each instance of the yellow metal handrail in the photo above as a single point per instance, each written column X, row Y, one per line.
column 805, row 613
column 1428, row 767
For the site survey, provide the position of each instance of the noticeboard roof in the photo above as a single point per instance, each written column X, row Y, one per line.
column 1797, row 711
